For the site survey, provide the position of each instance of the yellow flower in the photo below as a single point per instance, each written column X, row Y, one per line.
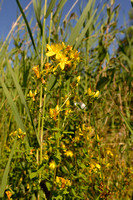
column 51, row 112
column 90, row 93
column 68, row 49
column 110, row 153
column 87, row 138
column 28, row 186
column 93, row 94
column 63, row 146
column 76, row 139
column 32, row 95
column 67, row 103
column 74, row 55
column 80, row 132
column 67, row 112
column 52, row 164
column 63, row 60
column 9, row 194
column 36, row 70
column 78, row 79
column 57, row 108
column 96, row 94
column 108, row 165
column 83, row 127
column 47, row 67
column 20, row 131
column 57, row 179
column 68, row 182
column 92, row 166
column 98, row 166
column 53, row 49
column 63, row 182
column 45, row 157
column 69, row 153
column 54, row 112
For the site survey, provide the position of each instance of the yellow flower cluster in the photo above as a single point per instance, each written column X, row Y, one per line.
column 94, row 167
column 69, row 153
column 109, row 153
column 62, row 183
column 63, row 56
column 36, row 70
column 53, row 112
column 83, row 132
column 92, row 94
column 21, row 134
column 32, row 95
column 52, row 164
column 38, row 73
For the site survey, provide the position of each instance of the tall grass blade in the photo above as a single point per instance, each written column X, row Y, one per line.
column 127, row 124
column 59, row 7
column 21, row 95
column 50, row 7
column 37, row 8
column 81, row 36
column 77, row 28
column 13, row 106
column 132, row 3
column 14, row 110
column 28, row 27
column 5, row 175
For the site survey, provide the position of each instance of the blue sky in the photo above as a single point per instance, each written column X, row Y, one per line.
column 8, row 12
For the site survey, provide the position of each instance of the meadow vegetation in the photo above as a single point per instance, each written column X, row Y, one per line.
column 66, row 95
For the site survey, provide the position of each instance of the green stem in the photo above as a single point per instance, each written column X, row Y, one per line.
column 98, row 148
column 50, row 28
column 58, row 126
column 86, row 66
column 40, row 126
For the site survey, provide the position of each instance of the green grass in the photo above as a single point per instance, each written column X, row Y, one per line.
column 57, row 139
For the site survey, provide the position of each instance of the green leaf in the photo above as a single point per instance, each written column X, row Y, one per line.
column 51, row 82
column 5, row 175
column 27, row 24
column 64, row 169
column 77, row 28
column 33, row 175
column 58, row 135
column 102, row 82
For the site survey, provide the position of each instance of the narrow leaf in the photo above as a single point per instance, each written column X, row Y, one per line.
column 14, row 110
column 37, row 9
column 21, row 95
column 50, row 7
column 5, row 175
column 27, row 24
column 132, row 3
column 127, row 124
column 77, row 28
column 59, row 7
column 81, row 36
